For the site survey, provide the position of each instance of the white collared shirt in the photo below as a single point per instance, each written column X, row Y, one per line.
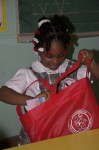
column 24, row 77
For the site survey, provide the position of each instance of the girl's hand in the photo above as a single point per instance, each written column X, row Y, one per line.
column 87, row 55
column 44, row 94
column 94, row 66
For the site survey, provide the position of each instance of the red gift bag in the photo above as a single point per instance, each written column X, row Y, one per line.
column 72, row 110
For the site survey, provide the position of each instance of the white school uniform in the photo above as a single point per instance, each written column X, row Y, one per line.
column 25, row 76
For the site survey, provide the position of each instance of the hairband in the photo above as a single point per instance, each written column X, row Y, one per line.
column 43, row 21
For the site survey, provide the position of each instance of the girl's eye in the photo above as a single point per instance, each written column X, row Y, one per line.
column 49, row 56
column 62, row 55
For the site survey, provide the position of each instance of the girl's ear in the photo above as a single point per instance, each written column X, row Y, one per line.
column 39, row 58
column 39, row 53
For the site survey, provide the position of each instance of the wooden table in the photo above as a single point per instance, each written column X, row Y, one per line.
column 88, row 140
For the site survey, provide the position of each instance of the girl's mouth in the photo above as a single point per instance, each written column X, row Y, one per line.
column 53, row 67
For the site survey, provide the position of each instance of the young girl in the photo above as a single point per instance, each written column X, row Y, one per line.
column 51, row 42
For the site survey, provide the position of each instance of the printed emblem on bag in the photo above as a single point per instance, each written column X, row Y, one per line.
column 80, row 120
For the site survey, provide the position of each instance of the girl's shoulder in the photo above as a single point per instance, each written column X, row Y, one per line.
column 23, row 72
column 27, row 73
column 80, row 72
column 21, row 80
column 70, row 63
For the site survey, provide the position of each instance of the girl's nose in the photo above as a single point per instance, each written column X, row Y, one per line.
column 55, row 60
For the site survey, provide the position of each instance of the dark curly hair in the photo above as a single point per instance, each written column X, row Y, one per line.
column 54, row 28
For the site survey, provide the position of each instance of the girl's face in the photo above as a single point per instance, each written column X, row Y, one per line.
column 54, row 57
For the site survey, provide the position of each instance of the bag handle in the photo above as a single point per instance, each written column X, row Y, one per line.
column 19, row 110
column 72, row 69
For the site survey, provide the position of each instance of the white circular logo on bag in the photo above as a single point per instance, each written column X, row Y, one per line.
column 68, row 81
column 80, row 120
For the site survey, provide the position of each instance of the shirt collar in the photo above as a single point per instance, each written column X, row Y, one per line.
column 39, row 67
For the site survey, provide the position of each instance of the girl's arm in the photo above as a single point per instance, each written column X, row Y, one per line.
column 94, row 69
column 12, row 97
